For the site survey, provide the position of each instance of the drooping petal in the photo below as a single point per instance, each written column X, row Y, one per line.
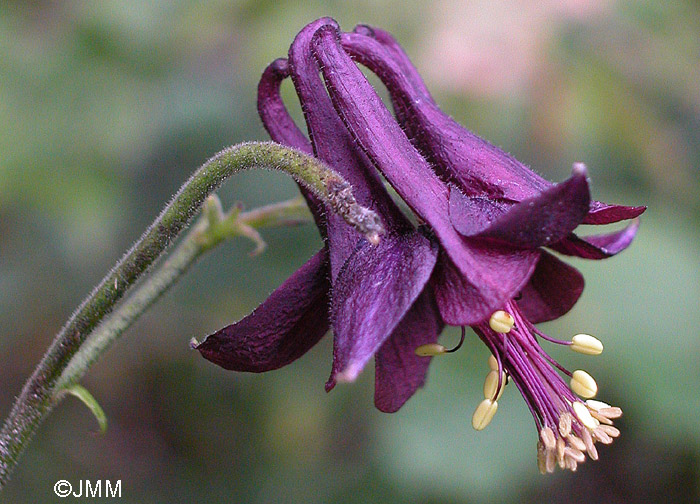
column 333, row 144
column 602, row 213
column 282, row 128
column 597, row 246
column 399, row 372
column 461, row 302
column 552, row 291
column 372, row 293
column 400, row 57
column 381, row 137
column 531, row 223
column 477, row 166
column 281, row 329
column 472, row 215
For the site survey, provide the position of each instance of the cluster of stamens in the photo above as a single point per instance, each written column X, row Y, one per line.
column 568, row 420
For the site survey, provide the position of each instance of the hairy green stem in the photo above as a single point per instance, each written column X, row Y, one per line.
column 37, row 397
column 211, row 229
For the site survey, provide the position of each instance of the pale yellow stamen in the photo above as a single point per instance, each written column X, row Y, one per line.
column 548, row 438
column 601, row 436
column 484, row 414
column 601, row 418
column 491, row 385
column 541, row 458
column 550, row 461
column 610, row 430
column 493, row 363
column 574, row 454
column 576, row 442
column 430, row 350
column 585, row 416
column 586, row 344
column 583, row 384
column 597, row 405
column 501, row 322
column 590, row 447
column 561, row 445
column 611, row 412
column 565, row 424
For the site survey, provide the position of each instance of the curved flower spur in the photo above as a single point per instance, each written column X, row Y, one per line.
column 489, row 215
column 277, row 332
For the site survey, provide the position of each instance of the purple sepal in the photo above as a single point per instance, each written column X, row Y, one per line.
column 534, row 222
column 552, row 291
column 599, row 246
column 281, row 329
column 399, row 372
column 372, row 293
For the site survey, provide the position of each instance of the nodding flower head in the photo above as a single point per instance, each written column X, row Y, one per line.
column 476, row 257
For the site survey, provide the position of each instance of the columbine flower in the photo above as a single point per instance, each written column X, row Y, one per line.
column 477, row 260
column 379, row 303
column 491, row 216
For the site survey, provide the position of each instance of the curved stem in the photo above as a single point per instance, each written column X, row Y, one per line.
column 205, row 234
column 37, row 396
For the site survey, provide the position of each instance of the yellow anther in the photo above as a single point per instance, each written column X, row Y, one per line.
column 576, row 442
column 541, row 458
column 586, row 344
column 548, row 438
column 493, row 363
column 583, row 384
column 484, row 414
column 491, row 384
column 501, row 322
column 585, row 416
column 565, row 424
column 597, row 405
column 430, row 350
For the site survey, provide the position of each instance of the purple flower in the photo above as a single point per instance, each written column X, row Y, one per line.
column 381, row 303
column 476, row 259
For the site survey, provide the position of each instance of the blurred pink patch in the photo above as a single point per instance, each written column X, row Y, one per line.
column 494, row 48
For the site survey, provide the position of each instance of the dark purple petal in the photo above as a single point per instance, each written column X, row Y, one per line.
column 534, row 222
column 471, row 215
column 399, row 372
column 281, row 329
column 462, row 303
column 282, row 128
column 372, row 293
column 399, row 56
column 273, row 113
column 477, row 166
column 496, row 272
column 333, row 144
column 552, row 290
column 602, row 213
column 597, row 246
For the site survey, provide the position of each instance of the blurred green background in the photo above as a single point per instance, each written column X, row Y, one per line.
column 107, row 107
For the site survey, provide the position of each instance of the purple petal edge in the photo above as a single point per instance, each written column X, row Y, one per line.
column 602, row 213
column 599, row 246
column 534, row 222
column 399, row 372
column 552, row 290
column 287, row 324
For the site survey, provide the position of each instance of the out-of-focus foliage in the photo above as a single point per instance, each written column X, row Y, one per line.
column 106, row 107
